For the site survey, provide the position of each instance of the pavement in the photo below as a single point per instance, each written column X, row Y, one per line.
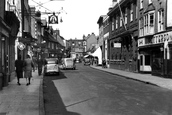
column 23, row 100
column 146, row 78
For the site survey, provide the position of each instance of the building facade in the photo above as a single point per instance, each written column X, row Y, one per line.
column 155, row 31
column 76, row 47
column 123, row 35
column 105, row 48
column 9, row 27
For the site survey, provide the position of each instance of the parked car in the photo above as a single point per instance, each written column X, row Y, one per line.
column 68, row 63
column 87, row 61
column 77, row 60
column 51, row 66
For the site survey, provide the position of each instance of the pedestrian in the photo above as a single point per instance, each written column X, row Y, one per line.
column 35, row 63
column 40, row 63
column 28, row 69
column 19, row 69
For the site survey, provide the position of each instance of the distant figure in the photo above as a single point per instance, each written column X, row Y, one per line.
column 19, row 69
column 35, row 62
column 40, row 63
column 28, row 69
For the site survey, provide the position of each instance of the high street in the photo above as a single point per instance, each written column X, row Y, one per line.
column 88, row 91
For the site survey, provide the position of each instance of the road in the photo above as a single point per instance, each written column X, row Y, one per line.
column 87, row 91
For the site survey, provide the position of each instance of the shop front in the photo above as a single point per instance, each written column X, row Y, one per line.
column 155, row 55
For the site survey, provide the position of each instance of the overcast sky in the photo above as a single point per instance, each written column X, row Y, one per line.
column 81, row 18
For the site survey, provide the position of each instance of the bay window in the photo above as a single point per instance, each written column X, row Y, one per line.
column 149, row 23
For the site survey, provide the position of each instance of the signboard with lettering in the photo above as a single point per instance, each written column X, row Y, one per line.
column 117, row 45
column 156, row 39
column 161, row 38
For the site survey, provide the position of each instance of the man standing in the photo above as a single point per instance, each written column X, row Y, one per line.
column 19, row 69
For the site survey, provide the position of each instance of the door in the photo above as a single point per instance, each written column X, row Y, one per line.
column 145, row 63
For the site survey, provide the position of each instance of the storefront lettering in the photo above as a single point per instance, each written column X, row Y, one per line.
column 161, row 38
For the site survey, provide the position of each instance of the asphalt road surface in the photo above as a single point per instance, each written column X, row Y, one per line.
column 88, row 91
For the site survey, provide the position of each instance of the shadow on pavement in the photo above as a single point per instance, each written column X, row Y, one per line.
column 56, row 77
column 53, row 103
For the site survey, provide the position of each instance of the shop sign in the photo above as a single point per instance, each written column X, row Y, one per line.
column 117, row 45
column 161, row 38
column 141, row 42
column 21, row 46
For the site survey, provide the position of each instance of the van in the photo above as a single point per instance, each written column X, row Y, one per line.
column 68, row 63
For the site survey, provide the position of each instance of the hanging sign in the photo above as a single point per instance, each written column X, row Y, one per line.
column 53, row 19
column 21, row 46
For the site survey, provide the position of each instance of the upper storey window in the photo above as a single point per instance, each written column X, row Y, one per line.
column 149, row 23
column 131, row 12
column 141, row 4
column 150, row 1
column 160, row 20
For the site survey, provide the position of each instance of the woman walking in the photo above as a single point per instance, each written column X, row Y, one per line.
column 28, row 69
column 19, row 69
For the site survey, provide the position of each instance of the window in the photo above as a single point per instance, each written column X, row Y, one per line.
column 146, row 24
column 160, row 20
column 141, row 4
column 116, row 23
column 147, row 59
column 141, row 25
column 125, row 15
column 120, row 20
column 49, row 45
column 149, row 23
column 52, row 46
column 150, row 1
column 131, row 12
column 84, row 43
column 112, row 24
column 136, row 11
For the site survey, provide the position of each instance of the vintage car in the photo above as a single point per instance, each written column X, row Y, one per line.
column 87, row 61
column 68, row 63
column 51, row 66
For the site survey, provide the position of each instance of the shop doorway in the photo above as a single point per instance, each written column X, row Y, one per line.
column 157, row 62
column 145, row 63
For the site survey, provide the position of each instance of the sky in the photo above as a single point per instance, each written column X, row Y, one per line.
column 79, row 16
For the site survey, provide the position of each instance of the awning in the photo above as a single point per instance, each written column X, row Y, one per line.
column 98, row 53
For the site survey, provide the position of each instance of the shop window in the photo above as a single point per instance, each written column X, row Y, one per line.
column 147, row 59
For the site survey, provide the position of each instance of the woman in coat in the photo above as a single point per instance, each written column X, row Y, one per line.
column 19, row 69
column 28, row 69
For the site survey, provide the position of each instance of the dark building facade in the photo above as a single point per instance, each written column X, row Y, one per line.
column 123, row 36
column 9, row 27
